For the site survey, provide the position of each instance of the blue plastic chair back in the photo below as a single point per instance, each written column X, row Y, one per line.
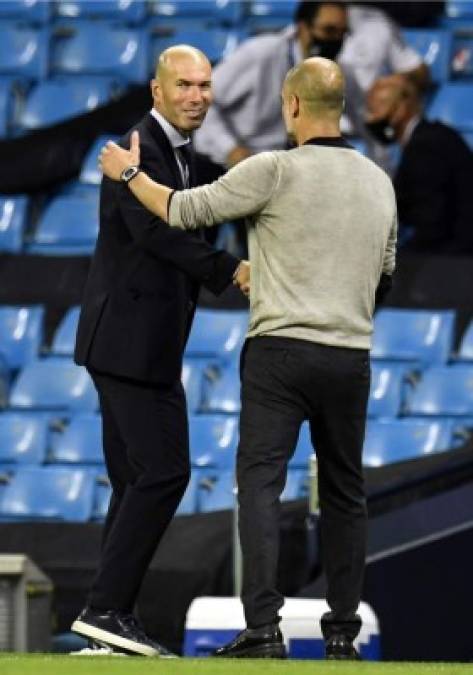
column 90, row 173
column 435, row 47
column 413, row 335
column 189, row 502
column 103, row 493
column 465, row 353
column 222, row 392
column 23, row 51
column 48, row 493
column 391, row 441
column 209, row 12
column 21, row 334
column 443, row 391
column 65, row 336
column 80, row 442
column 54, row 384
column 31, row 11
column 70, row 221
column 23, row 438
column 459, row 9
column 388, row 384
column 218, row 493
column 295, row 487
column 217, row 334
column 100, row 48
column 128, row 11
column 452, row 104
column 59, row 99
column 213, row 440
column 193, row 378
column 13, row 219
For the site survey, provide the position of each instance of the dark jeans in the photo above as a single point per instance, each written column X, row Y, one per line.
column 146, row 448
column 284, row 382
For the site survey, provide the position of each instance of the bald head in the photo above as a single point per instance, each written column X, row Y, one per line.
column 319, row 86
column 182, row 90
column 174, row 56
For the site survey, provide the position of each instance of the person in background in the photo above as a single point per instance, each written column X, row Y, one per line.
column 434, row 178
column 322, row 237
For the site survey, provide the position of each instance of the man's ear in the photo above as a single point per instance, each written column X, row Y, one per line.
column 294, row 105
column 155, row 88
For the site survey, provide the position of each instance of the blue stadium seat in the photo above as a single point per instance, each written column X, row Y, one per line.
column 217, row 334
column 68, row 226
column 54, row 384
column 295, row 487
column 459, row 9
column 6, row 104
column 23, row 51
column 421, row 336
column 443, row 391
column 222, row 392
column 130, row 11
column 80, row 442
column 435, row 47
column 24, row 438
column 193, row 378
column 465, row 352
column 30, row 11
column 213, row 440
column 100, row 48
column 190, row 501
column 90, row 173
column 13, row 219
column 21, row 334
column 189, row 12
column 217, row 493
column 65, row 336
column 304, row 449
column 388, row 388
column 216, row 43
column 48, row 493
column 452, row 105
column 61, row 98
column 270, row 16
column 102, row 495
column 391, row 441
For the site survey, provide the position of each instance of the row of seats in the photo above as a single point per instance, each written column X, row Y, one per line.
column 90, row 63
column 416, row 337
column 33, row 438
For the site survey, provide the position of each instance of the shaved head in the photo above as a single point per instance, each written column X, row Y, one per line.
column 171, row 57
column 181, row 89
column 319, row 85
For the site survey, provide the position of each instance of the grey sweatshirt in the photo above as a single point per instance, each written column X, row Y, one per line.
column 322, row 226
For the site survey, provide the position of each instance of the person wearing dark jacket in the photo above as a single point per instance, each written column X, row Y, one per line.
column 434, row 178
column 137, row 312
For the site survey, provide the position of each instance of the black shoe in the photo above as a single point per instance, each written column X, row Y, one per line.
column 264, row 642
column 339, row 647
column 119, row 630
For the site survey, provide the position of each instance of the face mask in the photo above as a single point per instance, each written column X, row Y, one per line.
column 382, row 131
column 326, row 49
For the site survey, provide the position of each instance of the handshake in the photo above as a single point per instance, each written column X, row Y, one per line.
column 241, row 278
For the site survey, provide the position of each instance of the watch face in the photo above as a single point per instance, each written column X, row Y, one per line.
column 129, row 172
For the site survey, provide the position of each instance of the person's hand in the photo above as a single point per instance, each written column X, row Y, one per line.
column 113, row 159
column 238, row 154
column 242, row 277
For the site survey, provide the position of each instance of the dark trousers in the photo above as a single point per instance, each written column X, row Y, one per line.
column 146, row 448
column 284, row 382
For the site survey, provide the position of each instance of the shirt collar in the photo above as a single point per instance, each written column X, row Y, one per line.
column 176, row 139
column 330, row 141
column 409, row 130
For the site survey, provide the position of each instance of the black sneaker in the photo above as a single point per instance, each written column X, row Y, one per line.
column 339, row 647
column 264, row 642
column 118, row 630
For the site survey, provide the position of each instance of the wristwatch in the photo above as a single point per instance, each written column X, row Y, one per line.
column 129, row 173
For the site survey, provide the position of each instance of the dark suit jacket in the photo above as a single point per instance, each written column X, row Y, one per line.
column 140, row 296
column 434, row 190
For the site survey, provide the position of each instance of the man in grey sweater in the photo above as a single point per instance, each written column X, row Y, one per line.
column 322, row 234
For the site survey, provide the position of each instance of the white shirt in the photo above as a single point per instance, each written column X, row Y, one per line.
column 177, row 140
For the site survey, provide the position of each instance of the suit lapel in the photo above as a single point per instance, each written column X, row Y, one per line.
column 162, row 141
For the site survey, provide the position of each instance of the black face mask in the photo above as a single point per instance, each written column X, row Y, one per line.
column 382, row 131
column 326, row 49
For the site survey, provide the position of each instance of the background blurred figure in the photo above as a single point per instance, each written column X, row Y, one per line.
column 246, row 118
column 434, row 179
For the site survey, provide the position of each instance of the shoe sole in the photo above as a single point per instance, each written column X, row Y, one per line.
column 261, row 652
column 112, row 639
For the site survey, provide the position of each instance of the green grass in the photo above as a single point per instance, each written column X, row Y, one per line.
column 15, row 664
